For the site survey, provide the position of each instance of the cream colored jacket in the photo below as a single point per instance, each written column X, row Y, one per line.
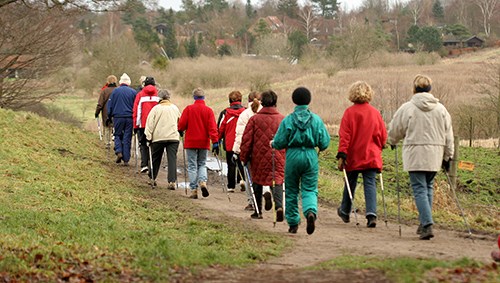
column 161, row 124
column 241, row 124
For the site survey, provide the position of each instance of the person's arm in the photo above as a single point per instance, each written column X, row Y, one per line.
column 100, row 104
column 345, row 133
column 183, row 120
column 212, row 128
column 150, row 125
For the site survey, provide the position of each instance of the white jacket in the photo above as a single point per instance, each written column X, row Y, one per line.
column 161, row 124
column 241, row 124
column 425, row 125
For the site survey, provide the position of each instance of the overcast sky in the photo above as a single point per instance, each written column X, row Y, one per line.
column 176, row 4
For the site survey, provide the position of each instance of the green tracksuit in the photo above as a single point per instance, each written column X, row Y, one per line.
column 300, row 132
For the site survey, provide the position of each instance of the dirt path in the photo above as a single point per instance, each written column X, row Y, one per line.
column 331, row 239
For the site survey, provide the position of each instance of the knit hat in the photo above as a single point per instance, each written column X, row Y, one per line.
column 198, row 93
column 301, row 96
column 125, row 79
column 149, row 81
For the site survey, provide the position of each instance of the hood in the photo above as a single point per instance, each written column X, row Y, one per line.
column 150, row 90
column 301, row 117
column 424, row 101
column 235, row 109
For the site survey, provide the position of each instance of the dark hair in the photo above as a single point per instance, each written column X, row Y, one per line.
column 149, row 81
column 269, row 98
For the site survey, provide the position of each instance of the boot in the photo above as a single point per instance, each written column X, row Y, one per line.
column 194, row 194
column 427, row 233
column 293, row 229
column 268, row 203
column 311, row 218
column 204, row 189
column 171, row 186
column 419, row 229
column 279, row 215
column 342, row 216
column 242, row 186
column 371, row 221
column 119, row 157
column 256, row 216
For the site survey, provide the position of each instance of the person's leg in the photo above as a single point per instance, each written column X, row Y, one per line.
column 192, row 167
column 119, row 125
column 309, row 188
column 127, row 139
column 346, row 205
column 370, row 190
column 278, row 195
column 201, row 165
column 258, row 196
column 430, row 188
column 292, row 181
column 420, row 191
column 231, row 171
column 143, row 146
column 248, row 191
column 157, row 152
column 172, row 148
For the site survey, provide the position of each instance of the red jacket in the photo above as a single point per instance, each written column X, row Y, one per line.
column 362, row 137
column 144, row 101
column 198, row 120
column 227, row 128
column 255, row 147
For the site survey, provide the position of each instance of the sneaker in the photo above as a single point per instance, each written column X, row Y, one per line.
column 311, row 218
column 171, row 186
column 268, row 203
column 293, row 229
column 344, row 217
column 144, row 169
column 204, row 189
column 427, row 233
column 249, row 207
column 194, row 194
column 279, row 215
column 230, row 190
column 419, row 229
column 242, row 186
column 256, row 216
column 371, row 221
column 119, row 157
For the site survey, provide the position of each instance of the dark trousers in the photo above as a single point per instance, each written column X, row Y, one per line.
column 123, row 136
column 171, row 147
column 232, row 176
column 277, row 191
column 143, row 147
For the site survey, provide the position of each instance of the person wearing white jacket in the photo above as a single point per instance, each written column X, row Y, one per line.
column 425, row 126
column 161, row 132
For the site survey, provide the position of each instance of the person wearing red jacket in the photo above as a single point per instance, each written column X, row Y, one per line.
column 227, row 133
column 362, row 137
column 145, row 100
column 268, row 164
column 198, row 122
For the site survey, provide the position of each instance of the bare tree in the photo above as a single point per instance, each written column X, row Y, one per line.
column 487, row 9
column 489, row 85
column 308, row 18
column 100, row 5
column 415, row 7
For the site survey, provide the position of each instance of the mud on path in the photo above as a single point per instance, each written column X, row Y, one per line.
column 332, row 238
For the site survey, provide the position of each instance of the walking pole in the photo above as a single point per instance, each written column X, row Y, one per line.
column 272, row 193
column 153, row 182
column 185, row 169
column 458, row 204
column 99, row 127
column 383, row 198
column 136, row 153
column 248, row 182
column 397, row 188
column 351, row 197
column 222, row 176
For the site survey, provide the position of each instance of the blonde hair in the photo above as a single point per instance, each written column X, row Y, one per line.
column 111, row 79
column 360, row 92
column 256, row 100
column 421, row 83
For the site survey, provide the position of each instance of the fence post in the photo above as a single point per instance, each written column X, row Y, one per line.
column 454, row 162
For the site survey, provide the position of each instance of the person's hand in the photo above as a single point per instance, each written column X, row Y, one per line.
column 149, row 142
column 341, row 164
column 271, row 143
column 215, row 148
column 181, row 133
column 393, row 146
column 446, row 165
column 109, row 121
column 96, row 115
column 236, row 157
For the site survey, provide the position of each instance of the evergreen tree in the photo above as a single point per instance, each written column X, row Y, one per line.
column 249, row 9
column 327, row 8
column 288, row 7
column 438, row 10
column 170, row 41
column 144, row 35
column 262, row 29
column 133, row 9
column 191, row 47
column 430, row 37
column 297, row 40
column 216, row 5
column 224, row 49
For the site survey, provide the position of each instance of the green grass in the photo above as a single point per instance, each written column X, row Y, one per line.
column 68, row 212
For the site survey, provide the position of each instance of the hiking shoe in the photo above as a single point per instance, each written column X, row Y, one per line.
column 372, row 221
column 242, row 186
column 144, row 169
column 119, row 157
column 344, row 217
column 279, row 215
column 311, row 218
column 426, row 233
column 194, row 194
column 249, row 207
column 293, row 229
column 204, row 189
column 419, row 229
column 268, row 203
column 256, row 216
column 171, row 186
column 230, row 190
column 125, row 163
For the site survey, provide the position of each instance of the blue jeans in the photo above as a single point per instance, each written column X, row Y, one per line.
column 123, row 136
column 423, row 189
column 370, row 188
column 197, row 169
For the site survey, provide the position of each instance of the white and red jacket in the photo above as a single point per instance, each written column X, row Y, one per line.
column 145, row 100
column 227, row 125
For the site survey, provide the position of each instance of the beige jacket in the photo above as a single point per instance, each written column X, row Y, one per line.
column 241, row 124
column 161, row 124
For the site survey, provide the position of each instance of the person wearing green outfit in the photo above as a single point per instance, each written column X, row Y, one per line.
column 300, row 133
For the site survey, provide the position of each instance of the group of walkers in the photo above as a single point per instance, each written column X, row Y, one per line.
column 271, row 156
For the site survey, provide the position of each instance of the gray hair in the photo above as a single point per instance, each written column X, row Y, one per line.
column 163, row 94
column 198, row 92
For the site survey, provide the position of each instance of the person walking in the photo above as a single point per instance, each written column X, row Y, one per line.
column 300, row 133
column 198, row 122
column 227, row 134
column 425, row 127
column 101, row 106
column 268, row 164
column 161, row 131
column 254, row 106
column 362, row 137
column 144, row 101
column 119, row 106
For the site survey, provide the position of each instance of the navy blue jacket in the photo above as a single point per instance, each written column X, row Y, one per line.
column 121, row 102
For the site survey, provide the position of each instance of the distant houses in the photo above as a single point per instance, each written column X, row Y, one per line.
column 473, row 41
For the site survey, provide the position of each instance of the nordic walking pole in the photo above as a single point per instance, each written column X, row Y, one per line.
column 99, row 127
column 151, row 165
column 185, row 169
column 136, row 153
column 383, row 198
column 350, row 196
column 397, row 188
column 458, row 203
column 248, row 182
column 272, row 193
column 222, row 176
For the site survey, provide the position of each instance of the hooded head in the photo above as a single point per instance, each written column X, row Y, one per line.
column 360, row 92
column 421, row 83
column 301, row 96
column 269, row 98
column 234, row 96
column 150, row 90
column 149, row 81
column 163, row 94
column 198, row 94
column 125, row 79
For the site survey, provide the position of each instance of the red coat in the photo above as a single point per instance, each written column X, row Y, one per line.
column 198, row 122
column 255, row 147
column 362, row 137
column 227, row 128
column 144, row 101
